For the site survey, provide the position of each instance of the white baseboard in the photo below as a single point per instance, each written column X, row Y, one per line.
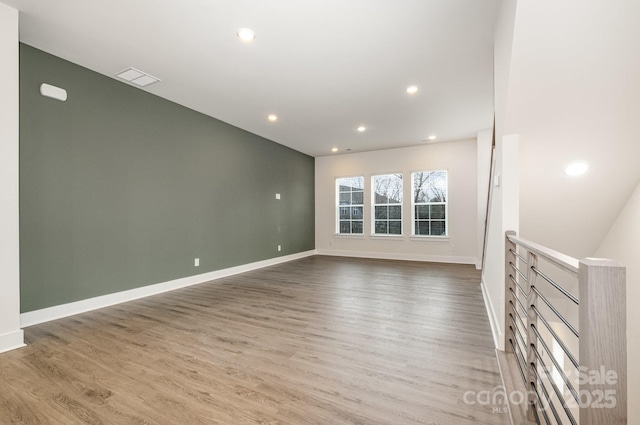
column 59, row 311
column 11, row 341
column 398, row 256
column 493, row 317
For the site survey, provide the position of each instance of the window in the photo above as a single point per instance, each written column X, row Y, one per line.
column 350, row 200
column 430, row 195
column 387, row 204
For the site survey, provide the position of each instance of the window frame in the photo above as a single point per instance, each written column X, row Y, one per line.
column 387, row 219
column 415, row 220
column 338, row 207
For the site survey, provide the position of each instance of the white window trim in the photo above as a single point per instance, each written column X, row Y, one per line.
column 373, row 209
column 337, row 206
column 435, row 238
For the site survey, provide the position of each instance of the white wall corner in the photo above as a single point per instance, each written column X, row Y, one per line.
column 510, row 171
column 12, row 340
column 493, row 279
column 498, row 335
column 10, row 334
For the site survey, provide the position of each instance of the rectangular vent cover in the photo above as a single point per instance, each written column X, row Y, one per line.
column 137, row 77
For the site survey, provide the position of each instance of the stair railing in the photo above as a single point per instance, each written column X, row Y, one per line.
column 570, row 350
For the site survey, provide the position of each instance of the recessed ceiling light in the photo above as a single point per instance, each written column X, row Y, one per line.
column 362, row 128
column 576, row 168
column 432, row 137
column 412, row 89
column 137, row 77
column 246, row 35
column 272, row 117
column 334, row 149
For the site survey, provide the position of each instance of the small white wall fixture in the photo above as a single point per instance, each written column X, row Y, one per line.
column 53, row 92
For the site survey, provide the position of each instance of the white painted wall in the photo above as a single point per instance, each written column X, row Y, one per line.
column 11, row 336
column 622, row 243
column 574, row 92
column 498, row 223
column 459, row 158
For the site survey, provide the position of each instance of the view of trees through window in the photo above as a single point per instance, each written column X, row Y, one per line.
column 387, row 208
column 429, row 204
column 429, row 190
column 350, row 204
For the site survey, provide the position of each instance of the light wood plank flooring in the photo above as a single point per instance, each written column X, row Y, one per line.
column 321, row 340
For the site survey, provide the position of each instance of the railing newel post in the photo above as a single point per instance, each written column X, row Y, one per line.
column 603, row 342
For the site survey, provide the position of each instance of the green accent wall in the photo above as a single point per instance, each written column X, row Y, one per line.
column 121, row 189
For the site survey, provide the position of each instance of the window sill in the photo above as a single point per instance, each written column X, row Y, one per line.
column 430, row 238
column 387, row 237
column 348, row 235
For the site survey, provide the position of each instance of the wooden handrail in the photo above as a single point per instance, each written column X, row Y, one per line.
column 565, row 262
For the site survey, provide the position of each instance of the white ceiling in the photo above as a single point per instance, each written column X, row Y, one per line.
column 323, row 66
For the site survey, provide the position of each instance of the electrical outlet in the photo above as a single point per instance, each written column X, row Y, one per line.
column 279, row 248
column 196, row 262
column 277, row 196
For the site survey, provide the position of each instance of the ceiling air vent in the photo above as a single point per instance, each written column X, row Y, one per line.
column 137, row 77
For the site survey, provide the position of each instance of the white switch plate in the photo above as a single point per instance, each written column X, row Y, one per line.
column 196, row 262
column 277, row 196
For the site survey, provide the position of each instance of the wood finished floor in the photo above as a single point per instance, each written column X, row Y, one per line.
column 321, row 340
